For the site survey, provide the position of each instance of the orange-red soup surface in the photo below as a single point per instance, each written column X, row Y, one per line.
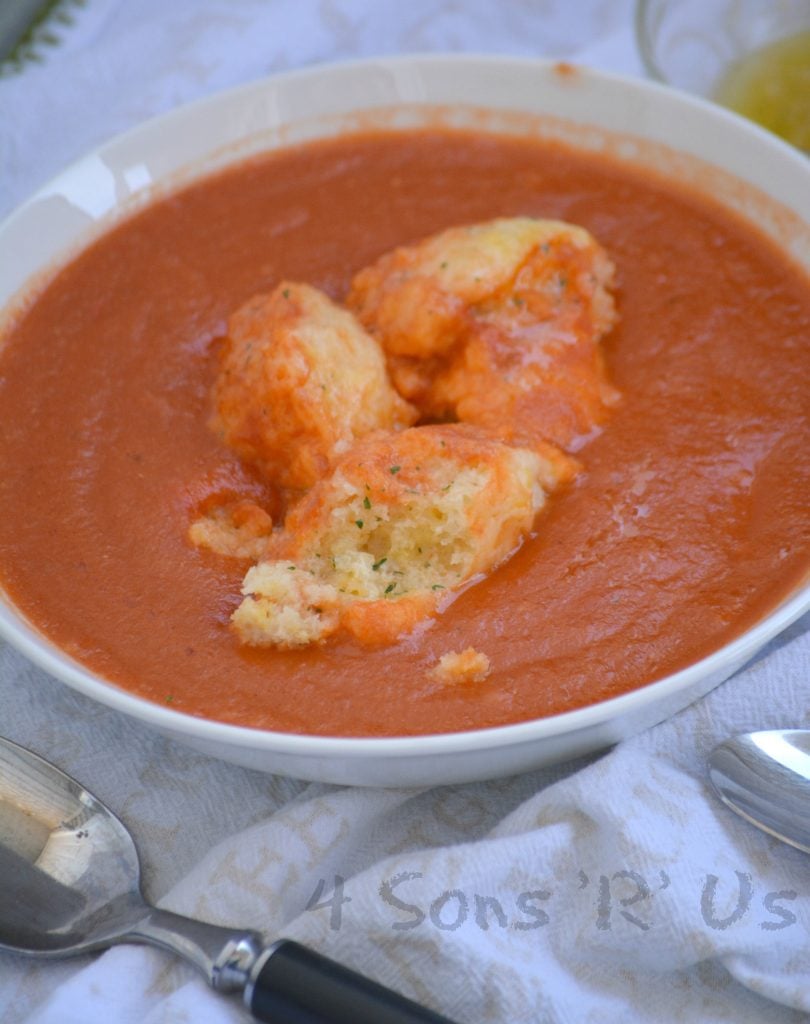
column 689, row 521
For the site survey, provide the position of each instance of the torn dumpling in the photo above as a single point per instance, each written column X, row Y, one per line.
column 402, row 522
column 300, row 380
column 497, row 324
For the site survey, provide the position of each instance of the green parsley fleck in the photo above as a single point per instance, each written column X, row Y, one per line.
column 444, row 265
column 169, row 698
column 393, row 470
column 437, row 586
column 359, row 524
column 366, row 502
column 286, row 293
column 390, row 587
column 291, row 568
column 377, row 565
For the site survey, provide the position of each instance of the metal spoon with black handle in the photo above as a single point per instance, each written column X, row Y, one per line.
column 70, row 884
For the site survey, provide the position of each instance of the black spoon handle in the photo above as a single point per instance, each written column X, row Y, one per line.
column 296, row 985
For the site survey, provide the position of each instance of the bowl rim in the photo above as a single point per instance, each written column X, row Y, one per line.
column 44, row 653
column 25, row 637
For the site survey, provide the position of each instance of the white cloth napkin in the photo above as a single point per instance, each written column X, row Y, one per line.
column 612, row 889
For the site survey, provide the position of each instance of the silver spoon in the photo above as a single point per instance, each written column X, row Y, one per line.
column 69, row 883
column 765, row 778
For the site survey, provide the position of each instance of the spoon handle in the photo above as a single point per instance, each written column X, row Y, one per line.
column 225, row 956
column 291, row 984
column 283, row 983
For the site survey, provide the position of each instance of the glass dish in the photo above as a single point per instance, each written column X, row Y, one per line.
column 750, row 55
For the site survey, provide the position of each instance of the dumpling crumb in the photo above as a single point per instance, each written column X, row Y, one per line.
column 237, row 529
column 469, row 666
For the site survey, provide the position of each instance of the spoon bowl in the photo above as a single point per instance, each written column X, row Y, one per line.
column 70, row 863
column 765, row 778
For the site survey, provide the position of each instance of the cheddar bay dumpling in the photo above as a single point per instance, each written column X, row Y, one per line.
column 402, row 522
column 497, row 324
column 300, row 380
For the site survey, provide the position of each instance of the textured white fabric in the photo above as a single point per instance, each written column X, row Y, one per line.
column 611, row 889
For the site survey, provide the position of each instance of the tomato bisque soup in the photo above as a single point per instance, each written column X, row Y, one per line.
column 686, row 524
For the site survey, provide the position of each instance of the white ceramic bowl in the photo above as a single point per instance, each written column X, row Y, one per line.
column 639, row 122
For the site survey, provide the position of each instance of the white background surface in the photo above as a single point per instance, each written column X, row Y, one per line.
column 245, row 849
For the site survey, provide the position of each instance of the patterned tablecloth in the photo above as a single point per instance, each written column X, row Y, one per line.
column 611, row 889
